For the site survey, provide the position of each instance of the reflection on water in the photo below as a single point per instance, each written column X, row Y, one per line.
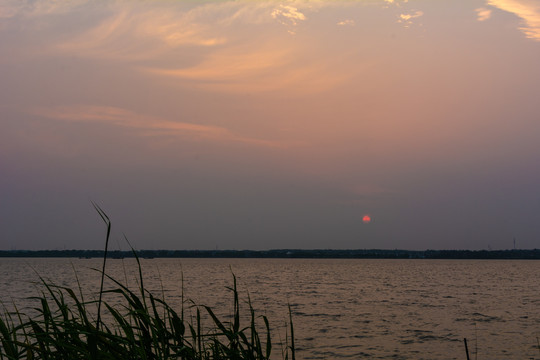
column 399, row 309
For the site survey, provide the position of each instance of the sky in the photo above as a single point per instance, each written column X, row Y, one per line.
column 270, row 124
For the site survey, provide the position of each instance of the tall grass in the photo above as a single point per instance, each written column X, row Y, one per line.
column 140, row 326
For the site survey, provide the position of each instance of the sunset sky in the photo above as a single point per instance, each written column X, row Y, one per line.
column 270, row 124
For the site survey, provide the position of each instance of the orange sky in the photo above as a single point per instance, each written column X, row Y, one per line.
column 270, row 124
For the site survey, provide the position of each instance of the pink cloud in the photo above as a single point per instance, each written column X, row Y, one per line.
column 148, row 125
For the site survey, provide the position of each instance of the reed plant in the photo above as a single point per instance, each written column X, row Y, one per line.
column 65, row 326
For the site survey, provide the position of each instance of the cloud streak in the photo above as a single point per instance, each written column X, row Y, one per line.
column 483, row 14
column 148, row 125
column 258, row 68
column 288, row 15
column 407, row 18
column 527, row 10
column 198, row 44
column 134, row 33
column 347, row 22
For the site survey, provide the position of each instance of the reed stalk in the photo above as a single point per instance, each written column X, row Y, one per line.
column 142, row 326
column 466, row 348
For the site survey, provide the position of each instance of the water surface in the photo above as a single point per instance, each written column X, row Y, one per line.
column 377, row 309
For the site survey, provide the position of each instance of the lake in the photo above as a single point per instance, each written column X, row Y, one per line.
column 374, row 309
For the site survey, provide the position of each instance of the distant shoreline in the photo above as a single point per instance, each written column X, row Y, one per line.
column 516, row 254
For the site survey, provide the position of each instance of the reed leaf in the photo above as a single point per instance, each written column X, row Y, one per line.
column 142, row 326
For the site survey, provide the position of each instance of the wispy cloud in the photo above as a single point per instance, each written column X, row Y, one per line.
column 139, row 30
column 407, row 18
column 288, row 14
column 198, row 43
column 10, row 8
column 232, row 64
column 527, row 10
column 33, row 8
column 162, row 27
column 396, row 1
column 259, row 68
column 132, row 32
column 147, row 125
column 483, row 14
column 347, row 22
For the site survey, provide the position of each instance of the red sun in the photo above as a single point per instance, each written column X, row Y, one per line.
column 366, row 219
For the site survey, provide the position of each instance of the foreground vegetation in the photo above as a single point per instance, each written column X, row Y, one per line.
column 139, row 326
